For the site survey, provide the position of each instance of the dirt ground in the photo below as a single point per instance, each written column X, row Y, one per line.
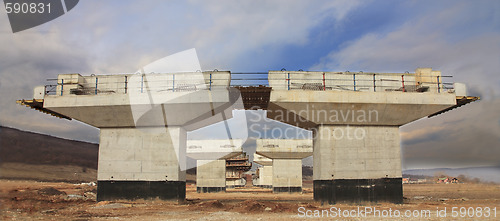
column 23, row 200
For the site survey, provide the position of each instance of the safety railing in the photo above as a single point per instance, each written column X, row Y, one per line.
column 316, row 81
column 346, row 81
column 130, row 83
column 50, row 89
column 249, row 79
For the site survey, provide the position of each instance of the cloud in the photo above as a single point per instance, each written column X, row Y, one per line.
column 451, row 39
column 236, row 28
column 29, row 60
column 468, row 136
column 120, row 36
column 422, row 134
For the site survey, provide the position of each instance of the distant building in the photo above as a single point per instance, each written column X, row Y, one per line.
column 443, row 180
column 413, row 181
column 447, row 180
column 422, row 181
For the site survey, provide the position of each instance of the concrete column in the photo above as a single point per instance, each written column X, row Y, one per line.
column 357, row 163
column 266, row 176
column 210, row 176
column 145, row 163
column 287, row 175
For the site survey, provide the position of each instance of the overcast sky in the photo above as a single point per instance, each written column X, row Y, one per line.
column 459, row 38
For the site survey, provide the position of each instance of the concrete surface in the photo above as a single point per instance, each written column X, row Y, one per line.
column 211, row 163
column 265, row 172
column 374, row 155
column 214, row 149
column 286, row 155
column 142, row 154
column 211, row 175
column 287, row 173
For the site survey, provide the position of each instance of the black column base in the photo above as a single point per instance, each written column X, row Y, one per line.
column 359, row 190
column 210, row 189
column 288, row 189
column 132, row 190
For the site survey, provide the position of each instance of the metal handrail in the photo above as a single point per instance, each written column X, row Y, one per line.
column 322, row 82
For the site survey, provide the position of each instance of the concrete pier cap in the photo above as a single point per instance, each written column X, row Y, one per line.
column 262, row 160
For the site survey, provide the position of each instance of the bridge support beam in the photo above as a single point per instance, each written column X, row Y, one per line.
column 357, row 163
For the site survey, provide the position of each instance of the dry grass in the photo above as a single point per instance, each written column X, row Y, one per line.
column 33, row 200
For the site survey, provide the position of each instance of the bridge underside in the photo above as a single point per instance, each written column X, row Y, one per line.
column 254, row 98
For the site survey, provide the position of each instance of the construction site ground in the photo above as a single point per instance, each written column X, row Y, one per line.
column 32, row 200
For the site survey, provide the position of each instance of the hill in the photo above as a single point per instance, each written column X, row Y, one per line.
column 484, row 174
column 18, row 146
column 28, row 155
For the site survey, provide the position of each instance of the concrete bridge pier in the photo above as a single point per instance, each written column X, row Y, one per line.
column 139, row 163
column 211, row 176
column 287, row 155
column 266, row 176
column 355, row 119
column 287, row 175
column 143, row 120
column 210, row 156
column 364, row 166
